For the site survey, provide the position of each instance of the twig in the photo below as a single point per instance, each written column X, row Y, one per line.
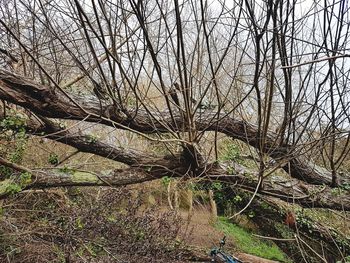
column 316, row 61
column 275, row 238
column 14, row 166
column 251, row 199
column 308, row 246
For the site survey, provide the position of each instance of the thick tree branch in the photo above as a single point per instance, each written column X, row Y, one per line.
column 57, row 178
column 291, row 190
column 50, row 103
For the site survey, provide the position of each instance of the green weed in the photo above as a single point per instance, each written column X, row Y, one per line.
column 247, row 243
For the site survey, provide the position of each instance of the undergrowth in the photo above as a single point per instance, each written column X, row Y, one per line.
column 98, row 225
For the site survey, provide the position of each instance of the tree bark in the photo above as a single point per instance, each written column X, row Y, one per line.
column 146, row 167
column 290, row 191
column 52, row 103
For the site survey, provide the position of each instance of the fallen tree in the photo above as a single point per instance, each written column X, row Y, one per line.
column 47, row 102
column 182, row 75
column 146, row 167
column 289, row 191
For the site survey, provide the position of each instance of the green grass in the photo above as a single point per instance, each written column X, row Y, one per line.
column 247, row 243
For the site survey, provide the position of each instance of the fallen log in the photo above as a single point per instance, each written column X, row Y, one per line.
column 49, row 102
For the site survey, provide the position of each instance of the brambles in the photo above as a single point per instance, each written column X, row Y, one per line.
column 81, row 227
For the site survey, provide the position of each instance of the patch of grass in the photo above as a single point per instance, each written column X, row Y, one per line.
column 247, row 243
